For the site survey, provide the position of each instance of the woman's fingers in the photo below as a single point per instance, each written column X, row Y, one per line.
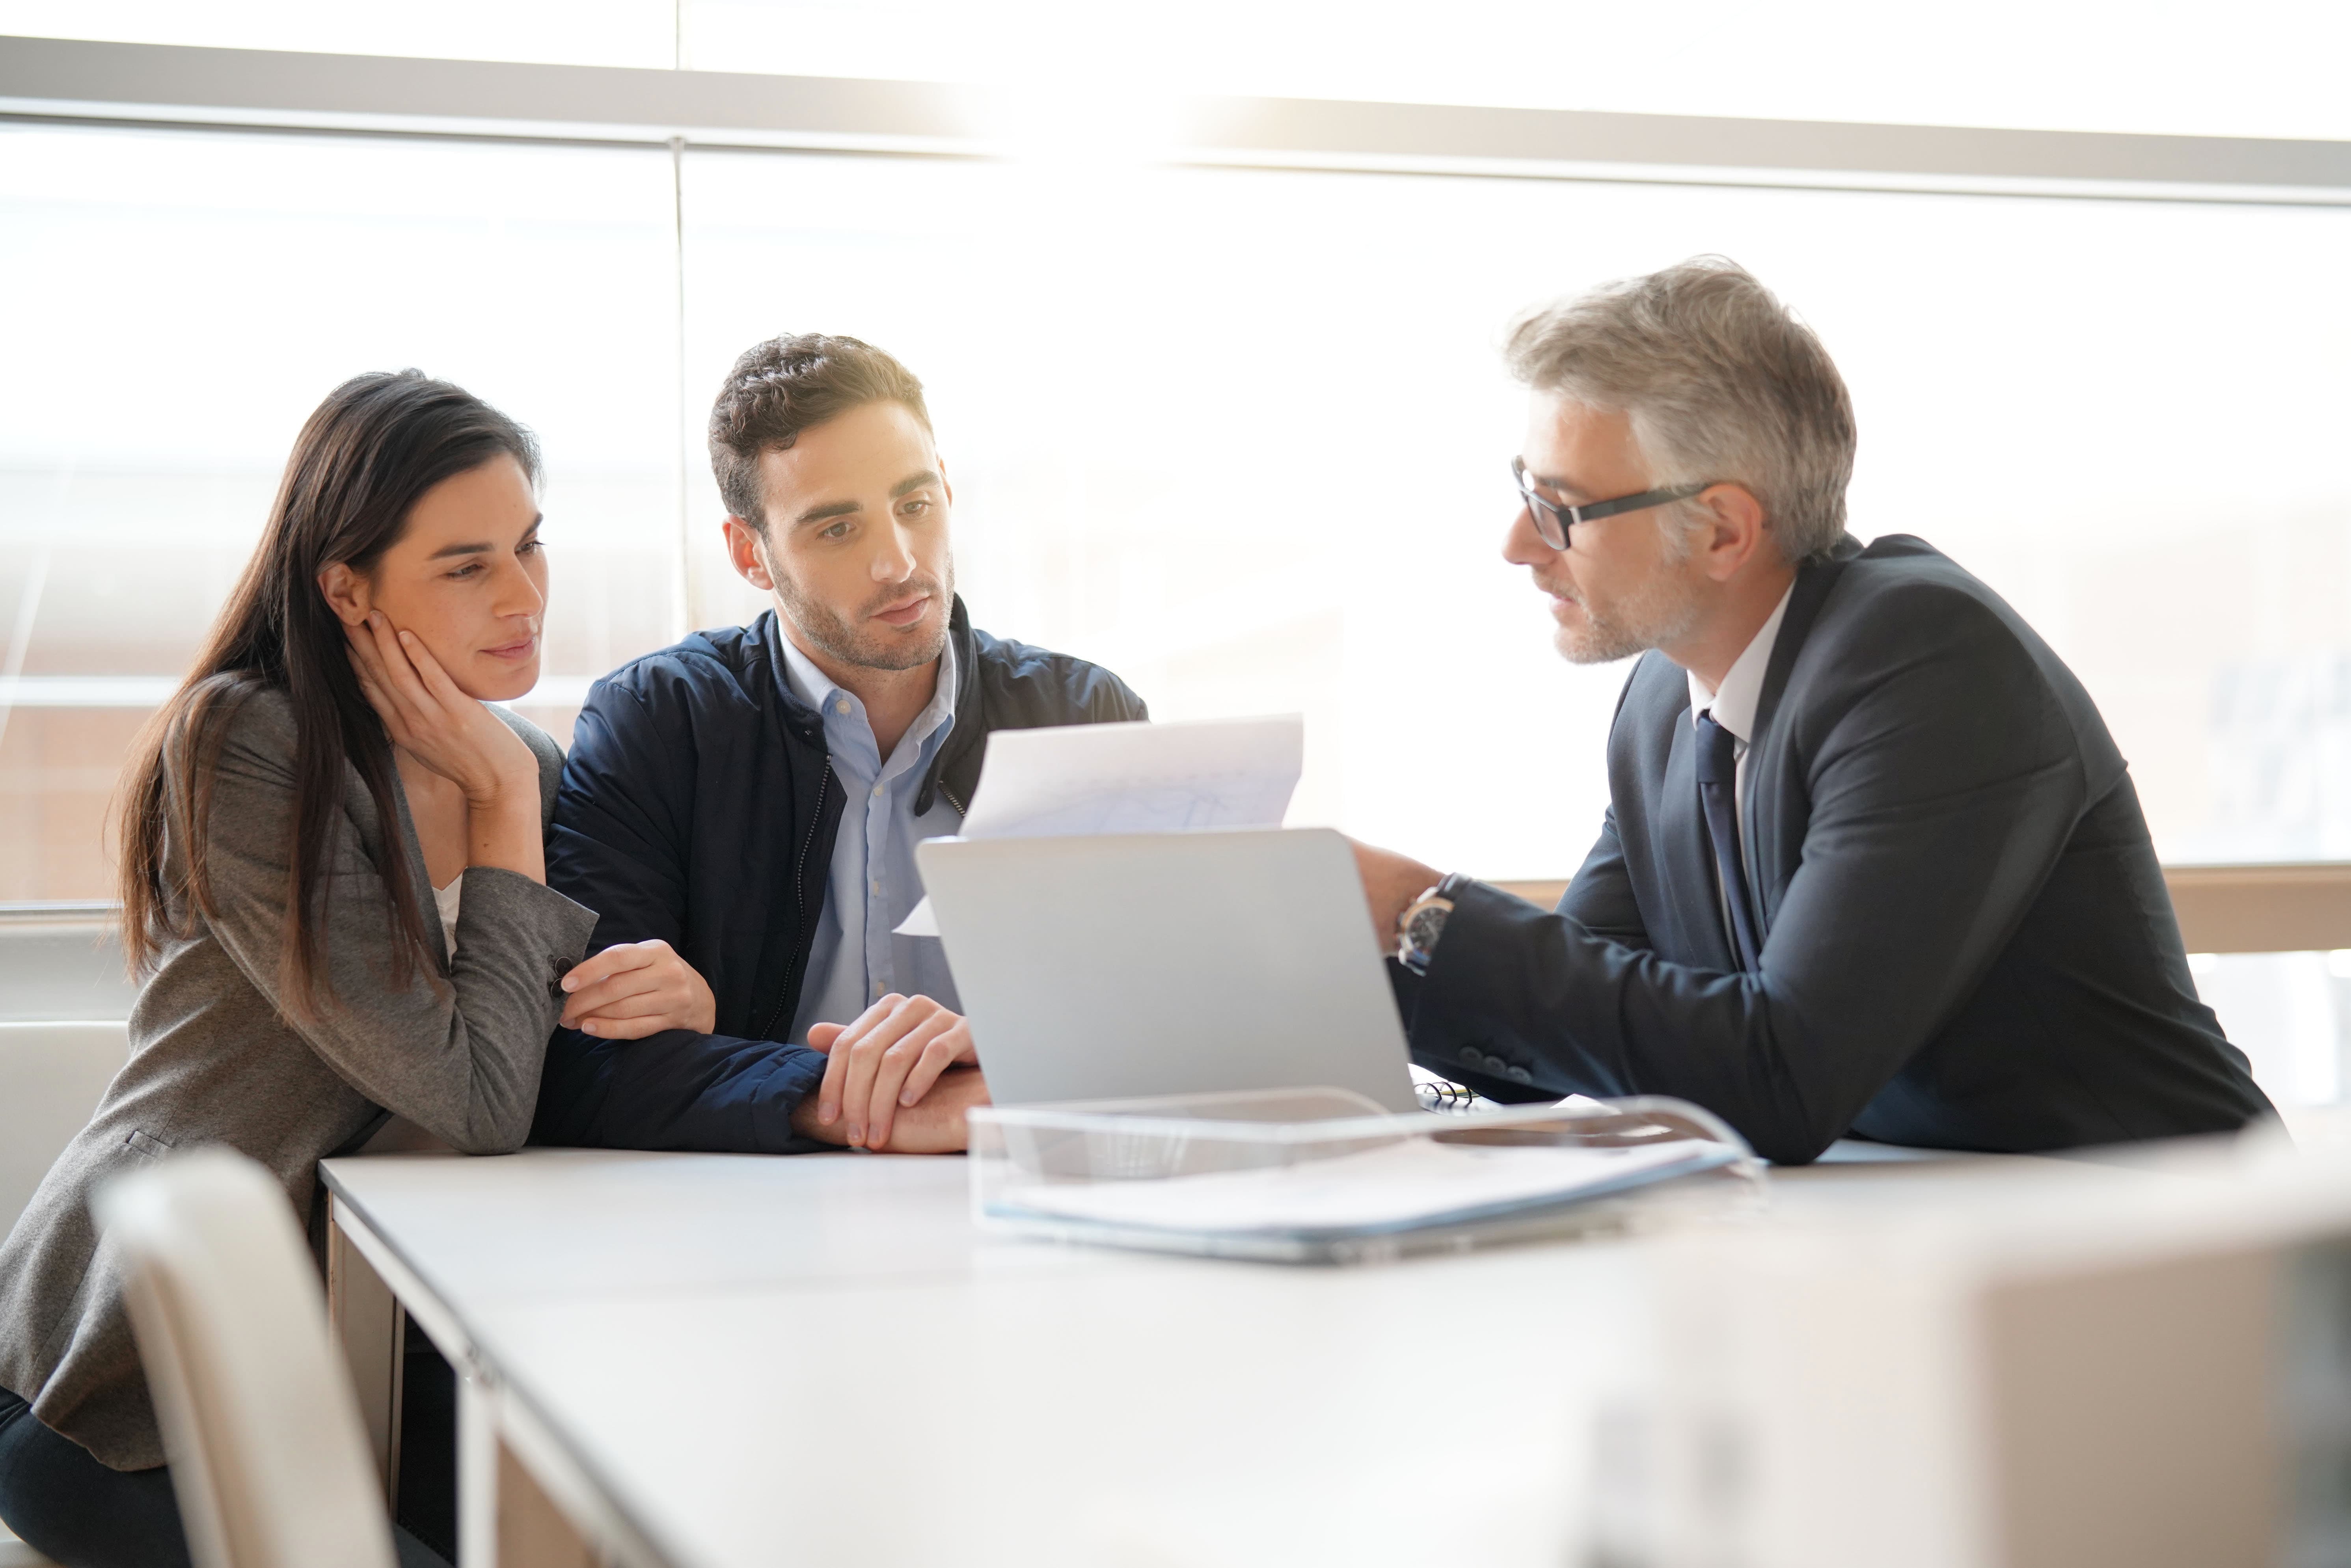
column 359, row 642
column 661, row 1001
column 634, row 982
column 625, row 1028
column 436, row 680
column 617, row 959
column 434, row 720
column 612, row 998
column 402, row 704
column 373, row 690
column 367, row 663
column 399, row 675
column 367, row 667
column 822, row 1035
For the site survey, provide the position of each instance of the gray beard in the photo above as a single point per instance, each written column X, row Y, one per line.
column 1662, row 611
column 836, row 638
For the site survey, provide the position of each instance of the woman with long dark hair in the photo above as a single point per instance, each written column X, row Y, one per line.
column 334, row 886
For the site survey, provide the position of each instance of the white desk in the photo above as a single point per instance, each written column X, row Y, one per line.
column 724, row 1361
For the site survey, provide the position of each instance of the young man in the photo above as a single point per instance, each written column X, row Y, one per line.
column 1872, row 862
column 741, row 809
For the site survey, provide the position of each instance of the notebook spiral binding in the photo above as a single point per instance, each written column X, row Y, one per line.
column 1442, row 1094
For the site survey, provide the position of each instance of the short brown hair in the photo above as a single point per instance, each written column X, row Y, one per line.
column 1722, row 383
column 785, row 385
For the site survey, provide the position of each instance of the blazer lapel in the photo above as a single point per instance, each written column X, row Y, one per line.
column 1814, row 580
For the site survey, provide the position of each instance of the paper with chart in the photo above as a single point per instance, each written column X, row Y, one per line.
column 1137, row 778
column 1131, row 778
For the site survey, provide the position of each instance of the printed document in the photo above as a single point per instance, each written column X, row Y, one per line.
column 1131, row 778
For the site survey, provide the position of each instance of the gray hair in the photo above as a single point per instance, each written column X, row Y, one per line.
column 1721, row 381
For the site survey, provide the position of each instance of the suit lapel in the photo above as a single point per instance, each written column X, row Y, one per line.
column 1814, row 580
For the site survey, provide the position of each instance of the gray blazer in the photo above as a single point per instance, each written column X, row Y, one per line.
column 456, row 1051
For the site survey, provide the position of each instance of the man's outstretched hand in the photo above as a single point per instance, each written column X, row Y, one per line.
column 898, row 1079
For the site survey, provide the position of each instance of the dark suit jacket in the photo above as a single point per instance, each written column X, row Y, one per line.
column 1967, row 940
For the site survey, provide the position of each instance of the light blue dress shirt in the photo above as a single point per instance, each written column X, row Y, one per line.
column 872, row 885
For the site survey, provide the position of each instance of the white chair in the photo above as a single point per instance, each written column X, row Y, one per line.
column 267, row 1456
column 53, row 1074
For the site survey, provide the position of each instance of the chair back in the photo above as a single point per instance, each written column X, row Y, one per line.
column 261, row 1429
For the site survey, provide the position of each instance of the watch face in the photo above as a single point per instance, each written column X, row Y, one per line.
column 1422, row 933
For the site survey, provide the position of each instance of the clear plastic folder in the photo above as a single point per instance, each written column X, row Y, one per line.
column 1325, row 1176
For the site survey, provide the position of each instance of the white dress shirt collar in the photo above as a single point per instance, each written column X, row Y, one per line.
column 1734, row 705
column 833, row 703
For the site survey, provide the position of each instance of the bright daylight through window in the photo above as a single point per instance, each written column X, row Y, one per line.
column 1241, row 434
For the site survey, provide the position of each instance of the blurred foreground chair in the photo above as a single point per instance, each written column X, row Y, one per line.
column 267, row 1456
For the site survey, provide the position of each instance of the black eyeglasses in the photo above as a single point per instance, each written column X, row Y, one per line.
column 1552, row 520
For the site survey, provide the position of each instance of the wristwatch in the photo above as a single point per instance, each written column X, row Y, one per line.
column 1421, row 924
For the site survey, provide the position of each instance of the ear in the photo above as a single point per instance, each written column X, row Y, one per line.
column 348, row 593
column 743, row 551
column 1731, row 531
column 947, row 481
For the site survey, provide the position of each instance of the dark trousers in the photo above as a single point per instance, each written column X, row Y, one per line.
column 72, row 1510
column 428, row 1444
column 75, row 1512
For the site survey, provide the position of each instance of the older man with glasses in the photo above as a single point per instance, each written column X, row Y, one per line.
column 1872, row 865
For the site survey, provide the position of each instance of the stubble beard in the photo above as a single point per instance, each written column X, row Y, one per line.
column 841, row 638
column 1662, row 611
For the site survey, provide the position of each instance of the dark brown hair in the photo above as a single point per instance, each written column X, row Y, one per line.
column 788, row 384
column 362, row 461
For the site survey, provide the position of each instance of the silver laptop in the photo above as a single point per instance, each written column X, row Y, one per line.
column 1167, row 964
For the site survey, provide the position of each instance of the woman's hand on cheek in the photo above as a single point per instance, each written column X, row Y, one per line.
column 431, row 719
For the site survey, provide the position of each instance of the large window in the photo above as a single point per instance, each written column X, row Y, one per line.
column 172, row 306
column 1245, row 437
column 1240, row 435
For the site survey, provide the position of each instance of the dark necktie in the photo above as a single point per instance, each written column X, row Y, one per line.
column 1717, row 792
